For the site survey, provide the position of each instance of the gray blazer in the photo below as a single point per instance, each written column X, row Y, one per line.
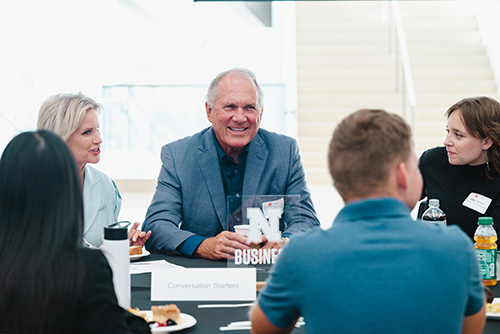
column 190, row 199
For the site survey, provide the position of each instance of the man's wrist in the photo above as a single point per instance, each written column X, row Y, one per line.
column 190, row 245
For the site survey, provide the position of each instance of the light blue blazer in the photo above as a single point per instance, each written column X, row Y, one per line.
column 190, row 199
column 101, row 204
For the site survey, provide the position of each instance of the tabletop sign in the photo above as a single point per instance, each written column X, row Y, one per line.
column 203, row 284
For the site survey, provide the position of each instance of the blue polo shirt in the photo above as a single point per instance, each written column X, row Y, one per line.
column 232, row 178
column 375, row 271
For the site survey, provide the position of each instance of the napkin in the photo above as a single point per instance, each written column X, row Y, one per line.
column 150, row 266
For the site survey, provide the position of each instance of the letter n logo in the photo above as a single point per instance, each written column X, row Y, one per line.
column 270, row 226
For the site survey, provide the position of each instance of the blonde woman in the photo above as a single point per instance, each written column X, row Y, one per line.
column 74, row 117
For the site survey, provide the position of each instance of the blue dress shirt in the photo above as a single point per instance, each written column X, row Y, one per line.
column 232, row 179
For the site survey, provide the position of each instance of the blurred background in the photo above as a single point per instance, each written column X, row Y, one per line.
column 149, row 62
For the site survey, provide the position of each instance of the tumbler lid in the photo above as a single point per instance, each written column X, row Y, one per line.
column 116, row 231
column 485, row 221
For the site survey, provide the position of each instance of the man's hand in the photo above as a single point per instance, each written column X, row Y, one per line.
column 137, row 237
column 221, row 246
column 271, row 244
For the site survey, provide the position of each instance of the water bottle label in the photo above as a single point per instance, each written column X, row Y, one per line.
column 487, row 263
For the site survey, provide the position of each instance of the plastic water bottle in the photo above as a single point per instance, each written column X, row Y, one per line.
column 486, row 250
column 434, row 214
column 115, row 247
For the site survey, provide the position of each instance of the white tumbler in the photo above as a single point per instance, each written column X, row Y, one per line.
column 115, row 247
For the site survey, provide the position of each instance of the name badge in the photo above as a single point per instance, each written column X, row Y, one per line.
column 477, row 202
column 204, row 284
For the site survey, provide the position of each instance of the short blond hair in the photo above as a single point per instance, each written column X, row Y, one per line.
column 363, row 148
column 64, row 113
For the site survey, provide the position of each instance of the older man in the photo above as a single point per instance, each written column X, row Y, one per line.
column 188, row 214
column 375, row 270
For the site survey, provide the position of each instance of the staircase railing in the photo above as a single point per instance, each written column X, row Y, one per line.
column 400, row 51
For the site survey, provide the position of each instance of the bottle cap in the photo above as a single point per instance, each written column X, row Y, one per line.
column 434, row 202
column 485, row 221
column 116, row 231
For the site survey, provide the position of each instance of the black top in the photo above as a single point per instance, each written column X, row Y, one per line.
column 97, row 310
column 452, row 184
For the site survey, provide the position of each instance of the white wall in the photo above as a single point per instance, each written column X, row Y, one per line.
column 55, row 46
column 487, row 13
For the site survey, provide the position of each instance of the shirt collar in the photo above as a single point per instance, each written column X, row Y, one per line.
column 220, row 152
column 372, row 207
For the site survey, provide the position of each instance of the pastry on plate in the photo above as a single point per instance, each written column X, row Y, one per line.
column 135, row 250
column 165, row 312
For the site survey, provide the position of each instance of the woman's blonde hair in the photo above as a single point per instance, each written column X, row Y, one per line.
column 64, row 113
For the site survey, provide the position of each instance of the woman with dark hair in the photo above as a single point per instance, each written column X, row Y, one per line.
column 465, row 174
column 49, row 283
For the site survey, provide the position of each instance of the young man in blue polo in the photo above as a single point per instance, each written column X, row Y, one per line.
column 375, row 270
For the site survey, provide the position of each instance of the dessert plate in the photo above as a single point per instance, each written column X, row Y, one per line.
column 491, row 315
column 138, row 256
column 186, row 321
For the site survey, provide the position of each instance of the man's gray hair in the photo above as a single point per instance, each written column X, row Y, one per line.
column 213, row 88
